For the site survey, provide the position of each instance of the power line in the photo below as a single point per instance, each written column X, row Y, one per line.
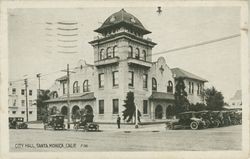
column 198, row 44
column 162, row 52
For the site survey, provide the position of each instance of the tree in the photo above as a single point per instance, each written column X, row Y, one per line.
column 129, row 105
column 41, row 106
column 214, row 99
column 197, row 107
column 181, row 101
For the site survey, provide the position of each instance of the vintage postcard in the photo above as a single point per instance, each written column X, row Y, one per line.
column 123, row 79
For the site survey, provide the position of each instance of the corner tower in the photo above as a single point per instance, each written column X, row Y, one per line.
column 122, row 58
column 120, row 31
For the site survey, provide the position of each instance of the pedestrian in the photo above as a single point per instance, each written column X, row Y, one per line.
column 118, row 121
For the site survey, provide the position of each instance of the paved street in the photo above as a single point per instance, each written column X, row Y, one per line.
column 146, row 138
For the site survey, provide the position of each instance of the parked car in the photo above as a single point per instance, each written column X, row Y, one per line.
column 55, row 122
column 17, row 123
column 86, row 123
column 187, row 120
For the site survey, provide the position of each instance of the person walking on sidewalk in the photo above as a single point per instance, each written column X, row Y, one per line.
column 118, row 121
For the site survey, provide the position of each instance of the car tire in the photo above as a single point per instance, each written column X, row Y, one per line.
column 194, row 125
column 217, row 123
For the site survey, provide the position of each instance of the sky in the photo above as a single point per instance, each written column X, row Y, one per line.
column 31, row 51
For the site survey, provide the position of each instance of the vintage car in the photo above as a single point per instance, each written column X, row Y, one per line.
column 55, row 122
column 210, row 118
column 86, row 123
column 187, row 120
column 17, row 123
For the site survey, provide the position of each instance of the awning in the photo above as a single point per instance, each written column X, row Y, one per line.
column 161, row 96
column 82, row 97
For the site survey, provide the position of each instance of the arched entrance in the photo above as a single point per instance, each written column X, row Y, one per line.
column 64, row 110
column 53, row 110
column 75, row 112
column 75, row 109
column 88, row 109
column 169, row 112
column 158, row 112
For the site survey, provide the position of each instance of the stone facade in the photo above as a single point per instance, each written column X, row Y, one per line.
column 122, row 63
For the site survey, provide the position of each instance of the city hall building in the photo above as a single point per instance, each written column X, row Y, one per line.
column 122, row 63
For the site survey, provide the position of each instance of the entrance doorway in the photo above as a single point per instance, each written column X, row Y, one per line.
column 158, row 112
column 64, row 111
column 88, row 109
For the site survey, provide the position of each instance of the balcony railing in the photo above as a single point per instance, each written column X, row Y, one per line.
column 139, row 62
column 107, row 61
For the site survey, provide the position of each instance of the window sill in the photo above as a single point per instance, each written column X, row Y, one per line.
column 102, row 88
column 145, row 89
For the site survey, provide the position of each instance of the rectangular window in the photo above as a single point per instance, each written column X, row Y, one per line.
column 23, row 103
column 201, row 89
column 13, row 112
column 145, row 107
column 115, row 78
column 101, row 106
column 30, row 92
column 30, row 112
column 22, row 91
column 189, row 87
column 131, row 78
column 101, row 80
column 115, row 106
column 30, row 103
column 13, row 90
column 198, row 88
column 145, row 81
column 22, row 112
column 192, row 88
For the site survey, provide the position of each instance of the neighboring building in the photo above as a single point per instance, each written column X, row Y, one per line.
column 193, row 83
column 17, row 100
column 236, row 100
column 122, row 63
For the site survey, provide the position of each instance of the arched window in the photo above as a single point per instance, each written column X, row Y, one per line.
column 55, row 94
column 137, row 53
column 143, row 55
column 154, row 84
column 115, row 51
column 130, row 52
column 86, row 86
column 102, row 55
column 75, row 87
column 170, row 87
column 109, row 52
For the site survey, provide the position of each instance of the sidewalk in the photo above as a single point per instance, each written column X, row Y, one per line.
column 113, row 127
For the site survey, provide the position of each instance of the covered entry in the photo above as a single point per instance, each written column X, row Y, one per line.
column 64, row 110
column 88, row 109
column 169, row 112
column 158, row 112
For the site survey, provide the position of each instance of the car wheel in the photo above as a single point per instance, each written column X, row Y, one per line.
column 194, row 125
column 206, row 124
column 217, row 123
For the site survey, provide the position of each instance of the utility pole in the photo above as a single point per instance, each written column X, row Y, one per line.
column 68, row 93
column 38, row 76
column 68, row 96
column 26, row 98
